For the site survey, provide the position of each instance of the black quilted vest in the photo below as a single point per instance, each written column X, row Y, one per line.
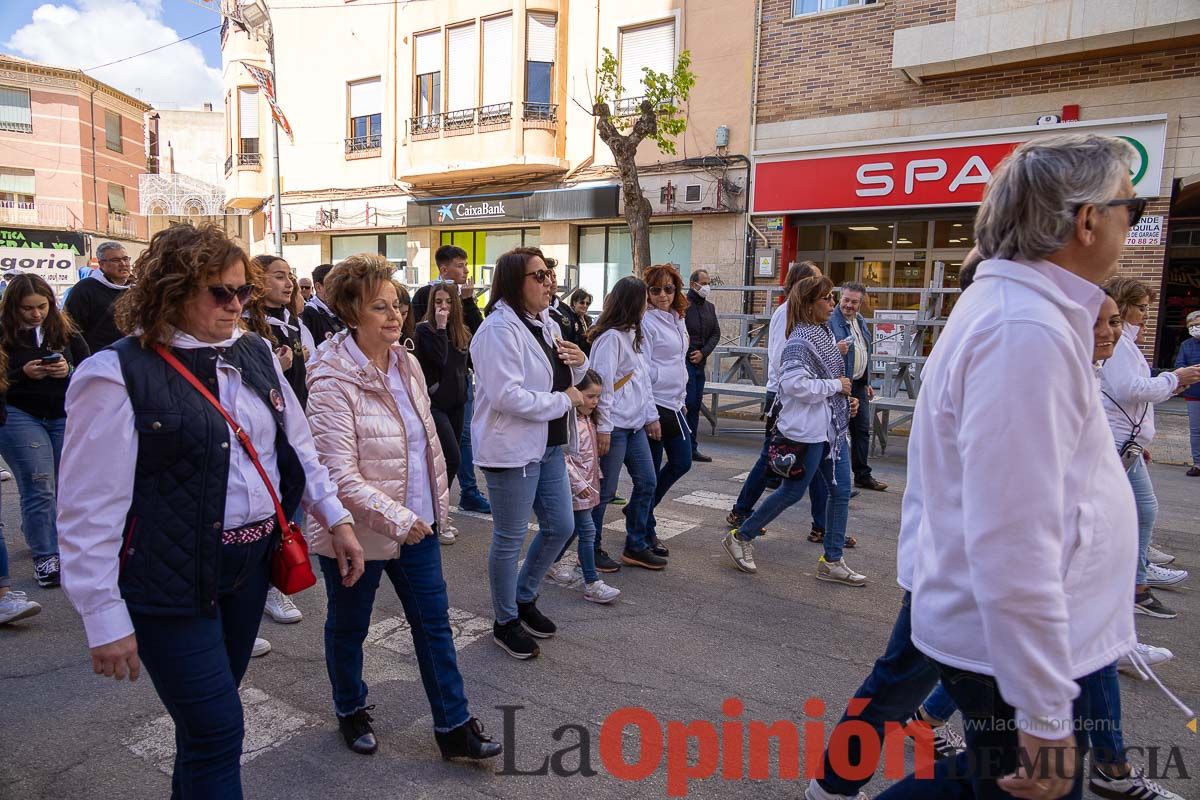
column 170, row 554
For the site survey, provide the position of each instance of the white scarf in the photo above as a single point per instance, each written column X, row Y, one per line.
column 99, row 275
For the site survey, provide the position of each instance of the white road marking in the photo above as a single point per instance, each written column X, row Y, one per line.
column 269, row 723
column 741, row 477
column 388, row 653
column 708, row 500
column 667, row 528
column 486, row 517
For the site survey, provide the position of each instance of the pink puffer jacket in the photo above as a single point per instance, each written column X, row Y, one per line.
column 361, row 440
column 583, row 468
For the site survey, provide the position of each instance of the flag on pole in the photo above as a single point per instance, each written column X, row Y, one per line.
column 266, row 81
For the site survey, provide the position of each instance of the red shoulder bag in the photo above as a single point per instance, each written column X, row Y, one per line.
column 291, row 571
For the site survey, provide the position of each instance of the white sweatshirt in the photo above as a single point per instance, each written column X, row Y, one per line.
column 805, row 414
column 776, row 339
column 631, row 406
column 1018, row 533
column 1125, row 378
column 665, row 348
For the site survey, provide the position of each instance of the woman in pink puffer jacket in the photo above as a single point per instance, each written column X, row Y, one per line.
column 369, row 411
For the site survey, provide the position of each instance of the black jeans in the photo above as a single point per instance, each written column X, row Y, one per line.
column 860, row 432
column 449, row 425
column 197, row 664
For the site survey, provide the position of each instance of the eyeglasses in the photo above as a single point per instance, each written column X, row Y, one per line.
column 1143, row 307
column 443, row 282
column 829, row 298
column 224, row 295
column 1136, row 206
column 121, row 260
column 657, row 290
column 542, row 275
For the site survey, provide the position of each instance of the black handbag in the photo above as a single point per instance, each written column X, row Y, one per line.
column 785, row 457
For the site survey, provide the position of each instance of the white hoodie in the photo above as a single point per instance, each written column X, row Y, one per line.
column 1125, row 379
column 514, row 400
column 632, row 406
column 666, row 353
column 1018, row 531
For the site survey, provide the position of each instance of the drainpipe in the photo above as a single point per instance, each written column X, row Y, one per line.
column 95, row 183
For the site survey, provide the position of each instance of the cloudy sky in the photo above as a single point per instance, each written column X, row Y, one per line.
column 86, row 33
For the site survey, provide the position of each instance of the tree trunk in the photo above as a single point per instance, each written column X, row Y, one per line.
column 624, row 149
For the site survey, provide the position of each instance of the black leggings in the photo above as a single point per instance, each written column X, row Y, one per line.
column 449, row 426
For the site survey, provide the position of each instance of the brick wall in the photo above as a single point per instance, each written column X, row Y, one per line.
column 841, row 64
column 1148, row 264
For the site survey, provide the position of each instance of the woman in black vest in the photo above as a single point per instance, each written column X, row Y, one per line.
column 166, row 526
column 269, row 315
column 43, row 348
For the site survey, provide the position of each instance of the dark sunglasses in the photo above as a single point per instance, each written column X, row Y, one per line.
column 1136, row 206
column 657, row 290
column 224, row 294
column 541, row 275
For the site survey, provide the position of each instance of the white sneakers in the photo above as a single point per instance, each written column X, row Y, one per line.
column 741, row 551
column 564, row 573
column 261, row 648
column 1134, row 785
column 600, row 592
column 448, row 534
column 280, row 608
column 1158, row 575
column 1151, row 655
column 815, row 792
column 17, row 605
column 839, row 572
column 1156, row 556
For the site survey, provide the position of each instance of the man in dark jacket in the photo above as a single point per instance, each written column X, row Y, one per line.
column 704, row 333
column 90, row 302
column 849, row 326
column 319, row 318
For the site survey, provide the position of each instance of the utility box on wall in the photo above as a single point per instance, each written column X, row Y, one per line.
column 766, row 262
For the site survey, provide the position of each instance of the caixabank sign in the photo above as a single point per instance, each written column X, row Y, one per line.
column 596, row 202
column 922, row 172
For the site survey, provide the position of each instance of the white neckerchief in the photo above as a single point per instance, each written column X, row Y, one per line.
column 98, row 275
column 318, row 304
column 186, row 341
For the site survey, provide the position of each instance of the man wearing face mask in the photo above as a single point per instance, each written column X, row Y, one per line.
column 704, row 333
column 1189, row 356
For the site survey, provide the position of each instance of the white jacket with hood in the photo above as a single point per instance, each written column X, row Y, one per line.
column 514, row 397
column 1018, row 530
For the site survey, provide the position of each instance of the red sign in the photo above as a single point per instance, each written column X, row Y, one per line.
column 930, row 176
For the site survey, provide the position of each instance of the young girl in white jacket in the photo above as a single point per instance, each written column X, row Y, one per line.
column 626, row 418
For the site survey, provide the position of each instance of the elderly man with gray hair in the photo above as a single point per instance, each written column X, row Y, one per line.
column 1018, row 526
column 90, row 302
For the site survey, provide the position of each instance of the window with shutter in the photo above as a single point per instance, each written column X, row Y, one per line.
column 647, row 46
column 540, row 46
column 366, row 115
column 16, row 188
column 428, row 69
column 16, row 114
column 112, row 131
column 497, row 68
column 116, row 199
column 248, row 120
column 462, row 64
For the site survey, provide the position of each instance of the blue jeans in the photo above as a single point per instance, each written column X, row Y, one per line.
column 679, row 461
column 541, row 487
column 756, row 484
column 837, row 478
column 694, row 397
column 585, row 529
column 1103, row 711
column 5, row 580
column 417, row 578
column 631, row 448
column 939, row 705
column 1147, row 511
column 466, row 464
column 900, row 679
column 991, row 734
column 1193, row 407
column 196, row 665
column 32, row 447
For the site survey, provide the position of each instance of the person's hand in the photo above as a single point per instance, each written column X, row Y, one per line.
column 441, row 316
column 419, row 530
column 575, row 395
column 305, row 351
column 843, row 347
column 845, row 386
column 285, row 358
column 853, row 406
column 695, row 357
column 570, row 354
column 870, row 392
column 1146, row 456
column 603, row 443
column 59, row 369
column 1188, row 375
column 654, row 430
column 1042, row 751
column 467, row 290
column 117, row 659
column 349, row 554
column 35, row 371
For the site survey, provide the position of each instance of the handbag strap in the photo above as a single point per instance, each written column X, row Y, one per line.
column 242, row 437
column 1137, row 426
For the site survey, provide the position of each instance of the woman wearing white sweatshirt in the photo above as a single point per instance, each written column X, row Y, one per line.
column 666, row 355
column 627, row 418
column 525, row 397
column 1129, row 395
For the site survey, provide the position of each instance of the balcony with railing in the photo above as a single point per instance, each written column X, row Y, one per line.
column 368, row 146
column 122, row 225
column 23, row 212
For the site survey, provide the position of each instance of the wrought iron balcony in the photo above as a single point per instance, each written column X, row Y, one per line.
column 249, row 159
column 540, row 112
column 495, row 114
column 461, row 120
column 362, row 144
column 427, row 125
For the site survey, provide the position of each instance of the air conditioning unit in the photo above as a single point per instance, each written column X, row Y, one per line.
column 691, row 193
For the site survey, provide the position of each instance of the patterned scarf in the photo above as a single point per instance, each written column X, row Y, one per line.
column 813, row 348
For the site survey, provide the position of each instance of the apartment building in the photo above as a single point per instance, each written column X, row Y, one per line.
column 183, row 181
column 877, row 125
column 71, row 150
column 468, row 122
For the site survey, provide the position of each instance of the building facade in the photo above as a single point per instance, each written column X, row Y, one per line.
column 877, row 125
column 183, row 180
column 71, row 150
column 468, row 122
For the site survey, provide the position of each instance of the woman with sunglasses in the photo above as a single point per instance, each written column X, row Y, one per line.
column 813, row 427
column 166, row 550
column 525, row 401
column 666, row 357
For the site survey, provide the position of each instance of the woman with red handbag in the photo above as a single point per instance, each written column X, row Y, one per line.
column 186, row 453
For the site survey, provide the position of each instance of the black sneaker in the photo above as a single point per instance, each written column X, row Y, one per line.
column 1146, row 603
column 643, row 558
column 514, row 639
column 537, row 623
column 604, row 562
column 734, row 520
column 703, row 459
column 467, row 741
column 46, row 570
column 658, row 548
column 357, row 731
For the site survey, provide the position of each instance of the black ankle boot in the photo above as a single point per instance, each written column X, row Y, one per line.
column 467, row 741
column 357, row 731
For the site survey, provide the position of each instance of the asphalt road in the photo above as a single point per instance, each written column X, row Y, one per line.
column 676, row 643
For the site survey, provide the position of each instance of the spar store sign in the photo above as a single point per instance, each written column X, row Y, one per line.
column 919, row 172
